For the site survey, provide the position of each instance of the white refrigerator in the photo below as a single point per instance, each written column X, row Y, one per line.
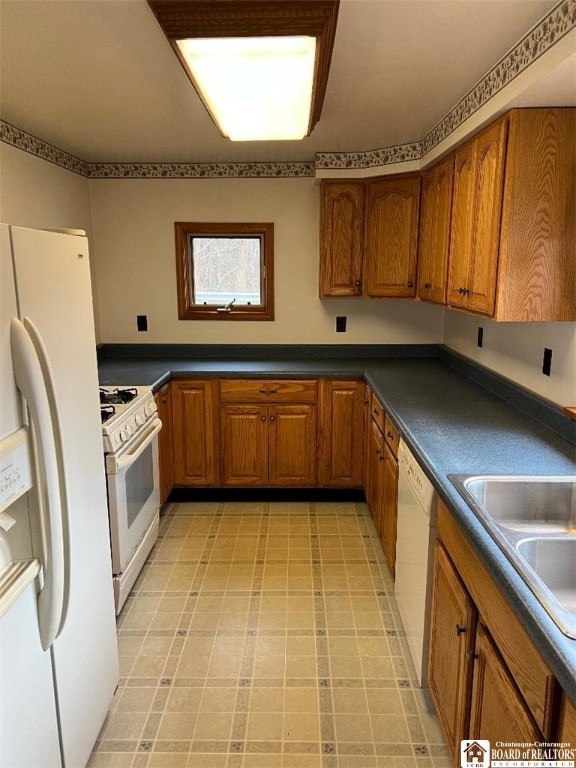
column 58, row 649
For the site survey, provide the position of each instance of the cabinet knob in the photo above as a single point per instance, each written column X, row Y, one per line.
column 262, row 418
column 378, row 451
column 357, row 283
column 460, row 630
column 272, row 418
column 410, row 284
column 427, row 285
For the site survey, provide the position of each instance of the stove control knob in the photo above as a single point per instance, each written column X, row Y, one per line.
column 124, row 435
column 130, row 430
column 139, row 419
column 150, row 409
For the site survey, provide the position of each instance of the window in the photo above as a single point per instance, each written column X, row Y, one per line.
column 225, row 271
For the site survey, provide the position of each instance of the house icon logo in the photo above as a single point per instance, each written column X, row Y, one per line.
column 475, row 753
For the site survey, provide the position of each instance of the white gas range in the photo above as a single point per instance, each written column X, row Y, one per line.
column 130, row 427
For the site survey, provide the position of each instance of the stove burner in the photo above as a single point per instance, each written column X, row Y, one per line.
column 119, row 396
column 106, row 412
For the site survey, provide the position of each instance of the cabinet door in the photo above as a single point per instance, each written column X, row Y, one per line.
column 375, row 475
column 391, row 236
column 194, row 433
column 434, row 245
column 244, row 445
column 341, row 434
column 452, row 630
column 389, row 508
column 490, row 152
column 498, row 712
column 341, row 233
column 462, row 223
column 292, row 445
column 165, row 447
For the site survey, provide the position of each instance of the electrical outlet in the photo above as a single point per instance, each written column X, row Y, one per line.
column 340, row 325
column 480, row 338
column 142, row 322
column 547, row 361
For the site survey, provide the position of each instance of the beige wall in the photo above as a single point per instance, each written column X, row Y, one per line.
column 515, row 351
column 132, row 249
column 37, row 194
column 134, row 242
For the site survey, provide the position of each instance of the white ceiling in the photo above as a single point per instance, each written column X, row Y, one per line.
column 98, row 79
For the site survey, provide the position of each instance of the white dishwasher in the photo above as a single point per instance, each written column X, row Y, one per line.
column 416, row 533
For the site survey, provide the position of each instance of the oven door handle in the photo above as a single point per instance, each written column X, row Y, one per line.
column 125, row 460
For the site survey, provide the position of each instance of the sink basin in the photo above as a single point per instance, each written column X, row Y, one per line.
column 527, row 505
column 551, row 563
column 533, row 520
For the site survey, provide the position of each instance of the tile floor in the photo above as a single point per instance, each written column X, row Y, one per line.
column 265, row 635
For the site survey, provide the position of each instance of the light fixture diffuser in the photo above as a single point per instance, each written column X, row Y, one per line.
column 259, row 66
column 256, row 88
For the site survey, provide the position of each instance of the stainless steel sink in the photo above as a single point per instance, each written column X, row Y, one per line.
column 526, row 504
column 533, row 520
column 553, row 563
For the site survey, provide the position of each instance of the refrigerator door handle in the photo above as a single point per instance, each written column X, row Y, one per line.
column 37, row 390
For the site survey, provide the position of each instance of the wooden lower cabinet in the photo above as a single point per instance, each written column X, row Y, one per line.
column 452, row 633
column 498, row 712
column 374, row 489
column 265, row 445
column 341, row 433
column 388, row 524
column 487, row 678
column 567, row 725
column 244, row 445
column 194, row 431
column 163, row 400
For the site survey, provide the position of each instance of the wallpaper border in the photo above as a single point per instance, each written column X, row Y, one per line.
column 547, row 33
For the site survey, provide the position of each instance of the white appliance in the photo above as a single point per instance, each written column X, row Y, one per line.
column 416, row 534
column 130, row 427
column 58, row 650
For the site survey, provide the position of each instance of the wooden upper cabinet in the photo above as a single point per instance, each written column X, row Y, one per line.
column 391, row 236
column 341, row 238
column 513, row 230
column 434, row 244
column 475, row 230
column 537, row 269
column 341, row 449
column 194, row 432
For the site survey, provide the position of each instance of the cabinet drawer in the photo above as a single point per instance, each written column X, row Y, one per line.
column 391, row 435
column 268, row 391
column 378, row 414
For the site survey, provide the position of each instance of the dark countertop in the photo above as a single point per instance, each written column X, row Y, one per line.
column 451, row 424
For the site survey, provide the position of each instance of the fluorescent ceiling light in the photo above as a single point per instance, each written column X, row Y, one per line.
column 256, row 88
column 260, row 67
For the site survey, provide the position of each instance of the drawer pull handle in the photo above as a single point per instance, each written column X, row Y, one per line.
column 268, row 391
column 460, row 630
column 376, row 412
column 390, row 435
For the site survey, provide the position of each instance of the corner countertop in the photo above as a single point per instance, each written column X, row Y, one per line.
column 451, row 424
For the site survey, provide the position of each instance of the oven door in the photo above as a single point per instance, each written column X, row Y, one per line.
column 133, row 493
